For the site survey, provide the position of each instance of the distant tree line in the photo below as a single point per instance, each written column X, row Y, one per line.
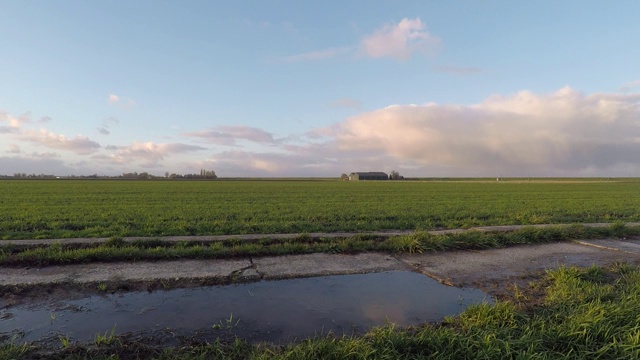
column 204, row 174
column 33, row 176
column 135, row 175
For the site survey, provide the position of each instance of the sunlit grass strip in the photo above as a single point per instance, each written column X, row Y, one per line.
column 118, row 250
column 586, row 313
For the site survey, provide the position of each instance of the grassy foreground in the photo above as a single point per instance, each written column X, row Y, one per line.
column 584, row 313
column 34, row 209
column 117, row 249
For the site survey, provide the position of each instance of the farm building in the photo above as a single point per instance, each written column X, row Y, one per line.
column 368, row 176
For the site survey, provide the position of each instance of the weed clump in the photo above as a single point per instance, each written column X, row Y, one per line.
column 114, row 242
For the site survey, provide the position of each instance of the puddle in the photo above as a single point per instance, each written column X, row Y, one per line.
column 275, row 311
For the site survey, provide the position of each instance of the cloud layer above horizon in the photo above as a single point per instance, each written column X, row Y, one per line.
column 564, row 133
column 305, row 89
column 560, row 133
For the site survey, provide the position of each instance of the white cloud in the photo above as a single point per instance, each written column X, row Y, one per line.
column 400, row 40
column 244, row 163
column 13, row 123
column 308, row 160
column 229, row 135
column 149, row 154
column 630, row 86
column 324, row 132
column 565, row 130
column 45, row 155
column 120, row 101
column 564, row 133
column 14, row 149
column 80, row 144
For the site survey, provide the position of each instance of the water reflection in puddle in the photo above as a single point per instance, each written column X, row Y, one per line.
column 276, row 311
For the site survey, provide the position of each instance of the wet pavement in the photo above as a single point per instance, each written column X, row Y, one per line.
column 394, row 287
column 275, row 311
column 456, row 267
column 217, row 271
column 506, row 266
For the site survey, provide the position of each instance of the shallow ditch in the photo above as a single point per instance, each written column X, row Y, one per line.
column 274, row 311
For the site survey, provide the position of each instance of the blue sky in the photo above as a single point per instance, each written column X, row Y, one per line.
column 301, row 88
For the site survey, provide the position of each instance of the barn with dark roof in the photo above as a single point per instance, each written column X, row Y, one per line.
column 355, row 176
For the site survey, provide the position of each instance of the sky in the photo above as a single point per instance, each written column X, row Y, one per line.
column 317, row 88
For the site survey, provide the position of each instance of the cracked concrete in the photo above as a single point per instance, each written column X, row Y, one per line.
column 325, row 264
column 217, row 270
column 138, row 271
column 462, row 268
column 469, row 268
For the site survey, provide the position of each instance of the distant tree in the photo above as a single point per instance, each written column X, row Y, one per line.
column 132, row 175
column 204, row 174
column 344, row 177
column 394, row 175
column 208, row 174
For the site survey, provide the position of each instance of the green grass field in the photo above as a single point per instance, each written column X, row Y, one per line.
column 105, row 208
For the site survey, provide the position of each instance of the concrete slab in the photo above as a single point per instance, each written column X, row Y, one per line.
column 139, row 271
column 325, row 264
column 221, row 270
column 468, row 268
column 627, row 246
column 464, row 268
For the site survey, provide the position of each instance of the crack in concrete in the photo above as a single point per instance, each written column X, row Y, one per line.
column 255, row 267
column 417, row 268
column 246, row 273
